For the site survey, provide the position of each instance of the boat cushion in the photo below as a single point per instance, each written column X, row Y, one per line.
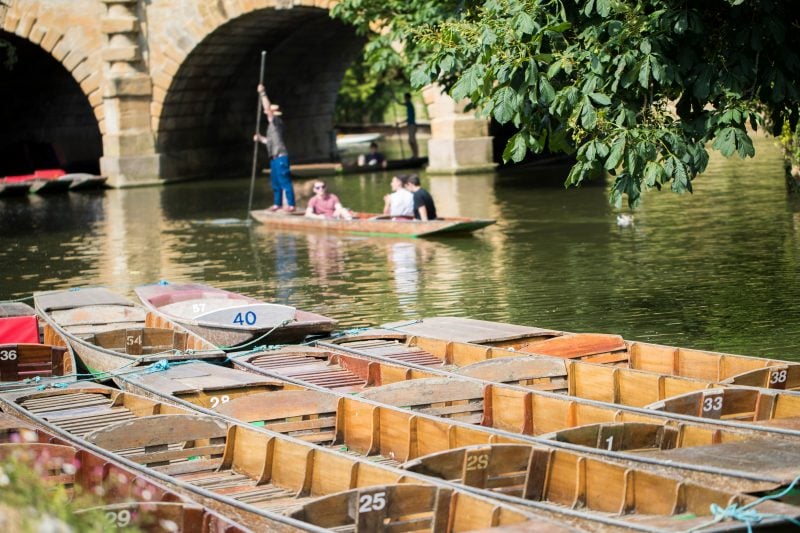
column 19, row 329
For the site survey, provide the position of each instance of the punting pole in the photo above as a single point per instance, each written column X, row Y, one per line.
column 397, row 130
column 255, row 141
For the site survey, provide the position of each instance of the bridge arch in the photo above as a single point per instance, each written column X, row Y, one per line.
column 52, row 96
column 205, row 71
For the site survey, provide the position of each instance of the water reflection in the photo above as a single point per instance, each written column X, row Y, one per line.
column 717, row 269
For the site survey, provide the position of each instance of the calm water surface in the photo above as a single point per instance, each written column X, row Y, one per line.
column 717, row 269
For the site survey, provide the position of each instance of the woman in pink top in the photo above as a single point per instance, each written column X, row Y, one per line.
column 325, row 205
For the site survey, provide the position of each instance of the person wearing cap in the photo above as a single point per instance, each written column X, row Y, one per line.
column 279, row 170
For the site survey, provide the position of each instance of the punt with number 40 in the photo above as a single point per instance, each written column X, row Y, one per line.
column 227, row 318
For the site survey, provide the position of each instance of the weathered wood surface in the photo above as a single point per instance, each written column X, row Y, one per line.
column 468, row 329
column 70, row 299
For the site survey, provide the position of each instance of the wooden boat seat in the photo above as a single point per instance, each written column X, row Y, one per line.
column 20, row 361
column 539, row 373
column 140, row 341
column 501, row 468
column 317, row 367
column 304, row 414
column 785, row 377
column 596, row 347
column 725, row 404
column 394, row 349
column 445, row 397
column 98, row 315
column 623, row 436
column 154, row 438
column 386, row 508
column 226, row 310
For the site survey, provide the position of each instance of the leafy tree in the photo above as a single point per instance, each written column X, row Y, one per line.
column 364, row 95
column 638, row 88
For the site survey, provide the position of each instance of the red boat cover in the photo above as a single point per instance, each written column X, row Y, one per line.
column 17, row 179
column 49, row 173
column 19, row 329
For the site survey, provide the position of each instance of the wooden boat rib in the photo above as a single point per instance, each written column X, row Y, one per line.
column 264, row 408
column 131, row 500
column 264, row 473
column 711, row 366
column 227, row 318
column 24, row 359
column 610, row 384
column 108, row 332
column 371, row 224
column 388, row 435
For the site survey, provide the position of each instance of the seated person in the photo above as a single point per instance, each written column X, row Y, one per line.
column 399, row 204
column 325, row 205
column 424, row 208
column 373, row 159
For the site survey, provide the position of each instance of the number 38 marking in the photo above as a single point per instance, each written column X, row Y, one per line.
column 371, row 502
column 8, row 355
column 775, row 378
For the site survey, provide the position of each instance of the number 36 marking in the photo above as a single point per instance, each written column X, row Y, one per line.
column 8, row 355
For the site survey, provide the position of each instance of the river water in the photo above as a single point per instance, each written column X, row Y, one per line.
column 717, row 269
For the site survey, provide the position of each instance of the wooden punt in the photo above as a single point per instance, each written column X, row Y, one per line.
column 604, row 383
column 261, row 473
column 322, row 417
column 11, row 188
column 28, row 357
column 729, row 369
column 108, row 332
column 226, row 318
column 371, row 224
column 390, row 435
column 131, row 500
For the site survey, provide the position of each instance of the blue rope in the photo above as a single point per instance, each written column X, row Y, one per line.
column 747, row 514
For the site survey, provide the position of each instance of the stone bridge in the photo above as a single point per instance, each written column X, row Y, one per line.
column 153, row 90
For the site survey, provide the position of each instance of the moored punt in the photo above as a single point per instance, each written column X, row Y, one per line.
column 24, row 359
column 717, row 367
column 263, row 475
column 109, row 332
column 226, row 318
column 605, row 383
column 390, row 435
column 130, row 499
column 14, row 188
column 378, row 432
column 371, row 224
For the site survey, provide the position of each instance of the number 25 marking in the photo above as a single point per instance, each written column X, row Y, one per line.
column 371, row 502
column 477, row 462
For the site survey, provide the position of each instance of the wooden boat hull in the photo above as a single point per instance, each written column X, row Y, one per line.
column 366, row 224
column 108, row 332
column 49, row 186
column 262, row 474
column 229, row 319
column 84, row 182
column 14, row 189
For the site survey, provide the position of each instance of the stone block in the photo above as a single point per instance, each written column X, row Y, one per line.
column 460, row 155
column 82, row 71
column 25, row 25
column 128, row 144
column 132, row 171
column 110, row 25
column 121, row 53
column 458, row 127
column 50, row 40
column 37, row 34
column 10, row 23
column 135, row 85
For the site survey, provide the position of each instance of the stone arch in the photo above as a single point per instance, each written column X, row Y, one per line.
column 205, row 68
column 53, row 94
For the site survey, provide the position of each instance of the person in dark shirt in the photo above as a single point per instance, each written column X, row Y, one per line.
column 411, row 123
column 372, row 159
column 424, row 208
column 280, row 172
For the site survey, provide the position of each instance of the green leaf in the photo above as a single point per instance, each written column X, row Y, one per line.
column 588, row 115
column 505, row 104
column 725, row 141
column 616, row 153
column 467, row 84
column 652, row 173
column 525, row 24
column 644, row 73
column 420, row 77
column 600, row 99
column 744, row 144
column 516, row 148
column 546, row 92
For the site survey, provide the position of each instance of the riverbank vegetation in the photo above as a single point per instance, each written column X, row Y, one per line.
column 641, row 90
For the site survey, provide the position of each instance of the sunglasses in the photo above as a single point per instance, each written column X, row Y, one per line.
column 318, row 187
